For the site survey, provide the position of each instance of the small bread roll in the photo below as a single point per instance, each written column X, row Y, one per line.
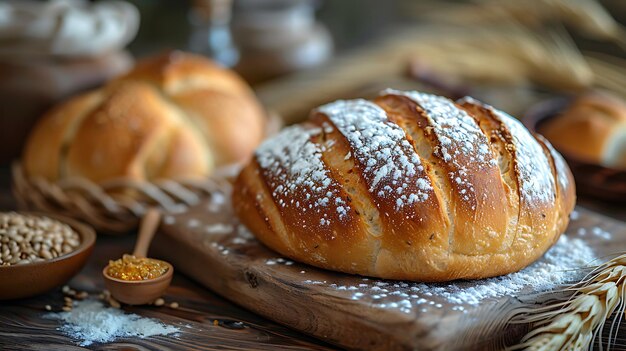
column 591, row 129
column 173, row 116
column 408, row 186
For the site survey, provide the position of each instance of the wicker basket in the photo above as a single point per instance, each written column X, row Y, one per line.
column 116, row 206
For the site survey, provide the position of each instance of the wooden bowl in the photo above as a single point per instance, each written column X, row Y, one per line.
column 592, row 179
column 138, row 292
column 25, row 280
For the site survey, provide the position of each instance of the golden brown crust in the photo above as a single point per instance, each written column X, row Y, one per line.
column 592, row 129
column 230, row 123
column 177, row 71
column 45, row 145
column 409, row 187
column 173, row 116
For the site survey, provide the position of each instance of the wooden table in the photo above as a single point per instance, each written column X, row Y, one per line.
column 23, row 328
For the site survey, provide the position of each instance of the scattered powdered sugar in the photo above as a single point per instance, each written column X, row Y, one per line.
column 244, row 233
column 279, row 260
column 90, row 322
column 234, row 237
column 221, row 248
column 535, row 173
column 595, row 231
column 218, row 228
column 292, row 163
column 458, row 134
column 216, row 202
column 601, row 233
column 193, row 223
column 531, row 164
column 169, row 219
column 295, row 164
column 239, row 240
column 560, row 165
column 382, row 149
column 561, row 264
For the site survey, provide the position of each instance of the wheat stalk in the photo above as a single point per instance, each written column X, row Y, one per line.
column 589, row 17
column 575, row 323
column 511, row 54
column 608, row 72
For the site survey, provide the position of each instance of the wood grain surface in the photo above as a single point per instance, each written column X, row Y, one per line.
column 23, row 328
column 209, row 245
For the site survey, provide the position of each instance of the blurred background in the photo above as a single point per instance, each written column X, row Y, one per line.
column 336, row 27
column 297, row 54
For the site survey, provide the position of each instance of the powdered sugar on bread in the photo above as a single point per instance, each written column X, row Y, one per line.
column 296, row 165
column 411, row 186
column 459, row 136
column 533, row 169
column 383, row 148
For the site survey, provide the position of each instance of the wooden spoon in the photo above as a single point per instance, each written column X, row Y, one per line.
column 139, row 292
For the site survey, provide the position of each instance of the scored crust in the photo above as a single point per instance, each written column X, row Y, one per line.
column 408, row 186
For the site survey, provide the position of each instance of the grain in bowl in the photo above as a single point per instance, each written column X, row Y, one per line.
column 30, row 238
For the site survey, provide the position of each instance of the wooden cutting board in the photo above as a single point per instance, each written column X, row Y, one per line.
column 207, row 244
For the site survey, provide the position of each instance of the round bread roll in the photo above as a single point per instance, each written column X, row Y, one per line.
column 173, row 116
column 410, row 186
column 592, row 129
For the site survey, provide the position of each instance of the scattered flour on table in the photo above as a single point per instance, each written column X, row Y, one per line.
column 169, row 219
column 90, row 321
column 218, row 228
column 280, row 260
column 193, row 223
column 595, row 231
column 561, row 264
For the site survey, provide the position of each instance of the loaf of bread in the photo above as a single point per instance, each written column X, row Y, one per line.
column 173, row 116
column 591, row 129
column 409, row 186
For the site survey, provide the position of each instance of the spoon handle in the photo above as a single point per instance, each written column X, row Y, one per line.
column 149, row 225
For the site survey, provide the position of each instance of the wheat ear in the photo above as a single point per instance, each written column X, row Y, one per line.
column 576, row 323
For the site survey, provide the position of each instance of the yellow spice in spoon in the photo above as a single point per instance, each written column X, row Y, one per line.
column 130, row 267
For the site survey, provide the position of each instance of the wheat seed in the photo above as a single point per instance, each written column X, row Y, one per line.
column 26, row 239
